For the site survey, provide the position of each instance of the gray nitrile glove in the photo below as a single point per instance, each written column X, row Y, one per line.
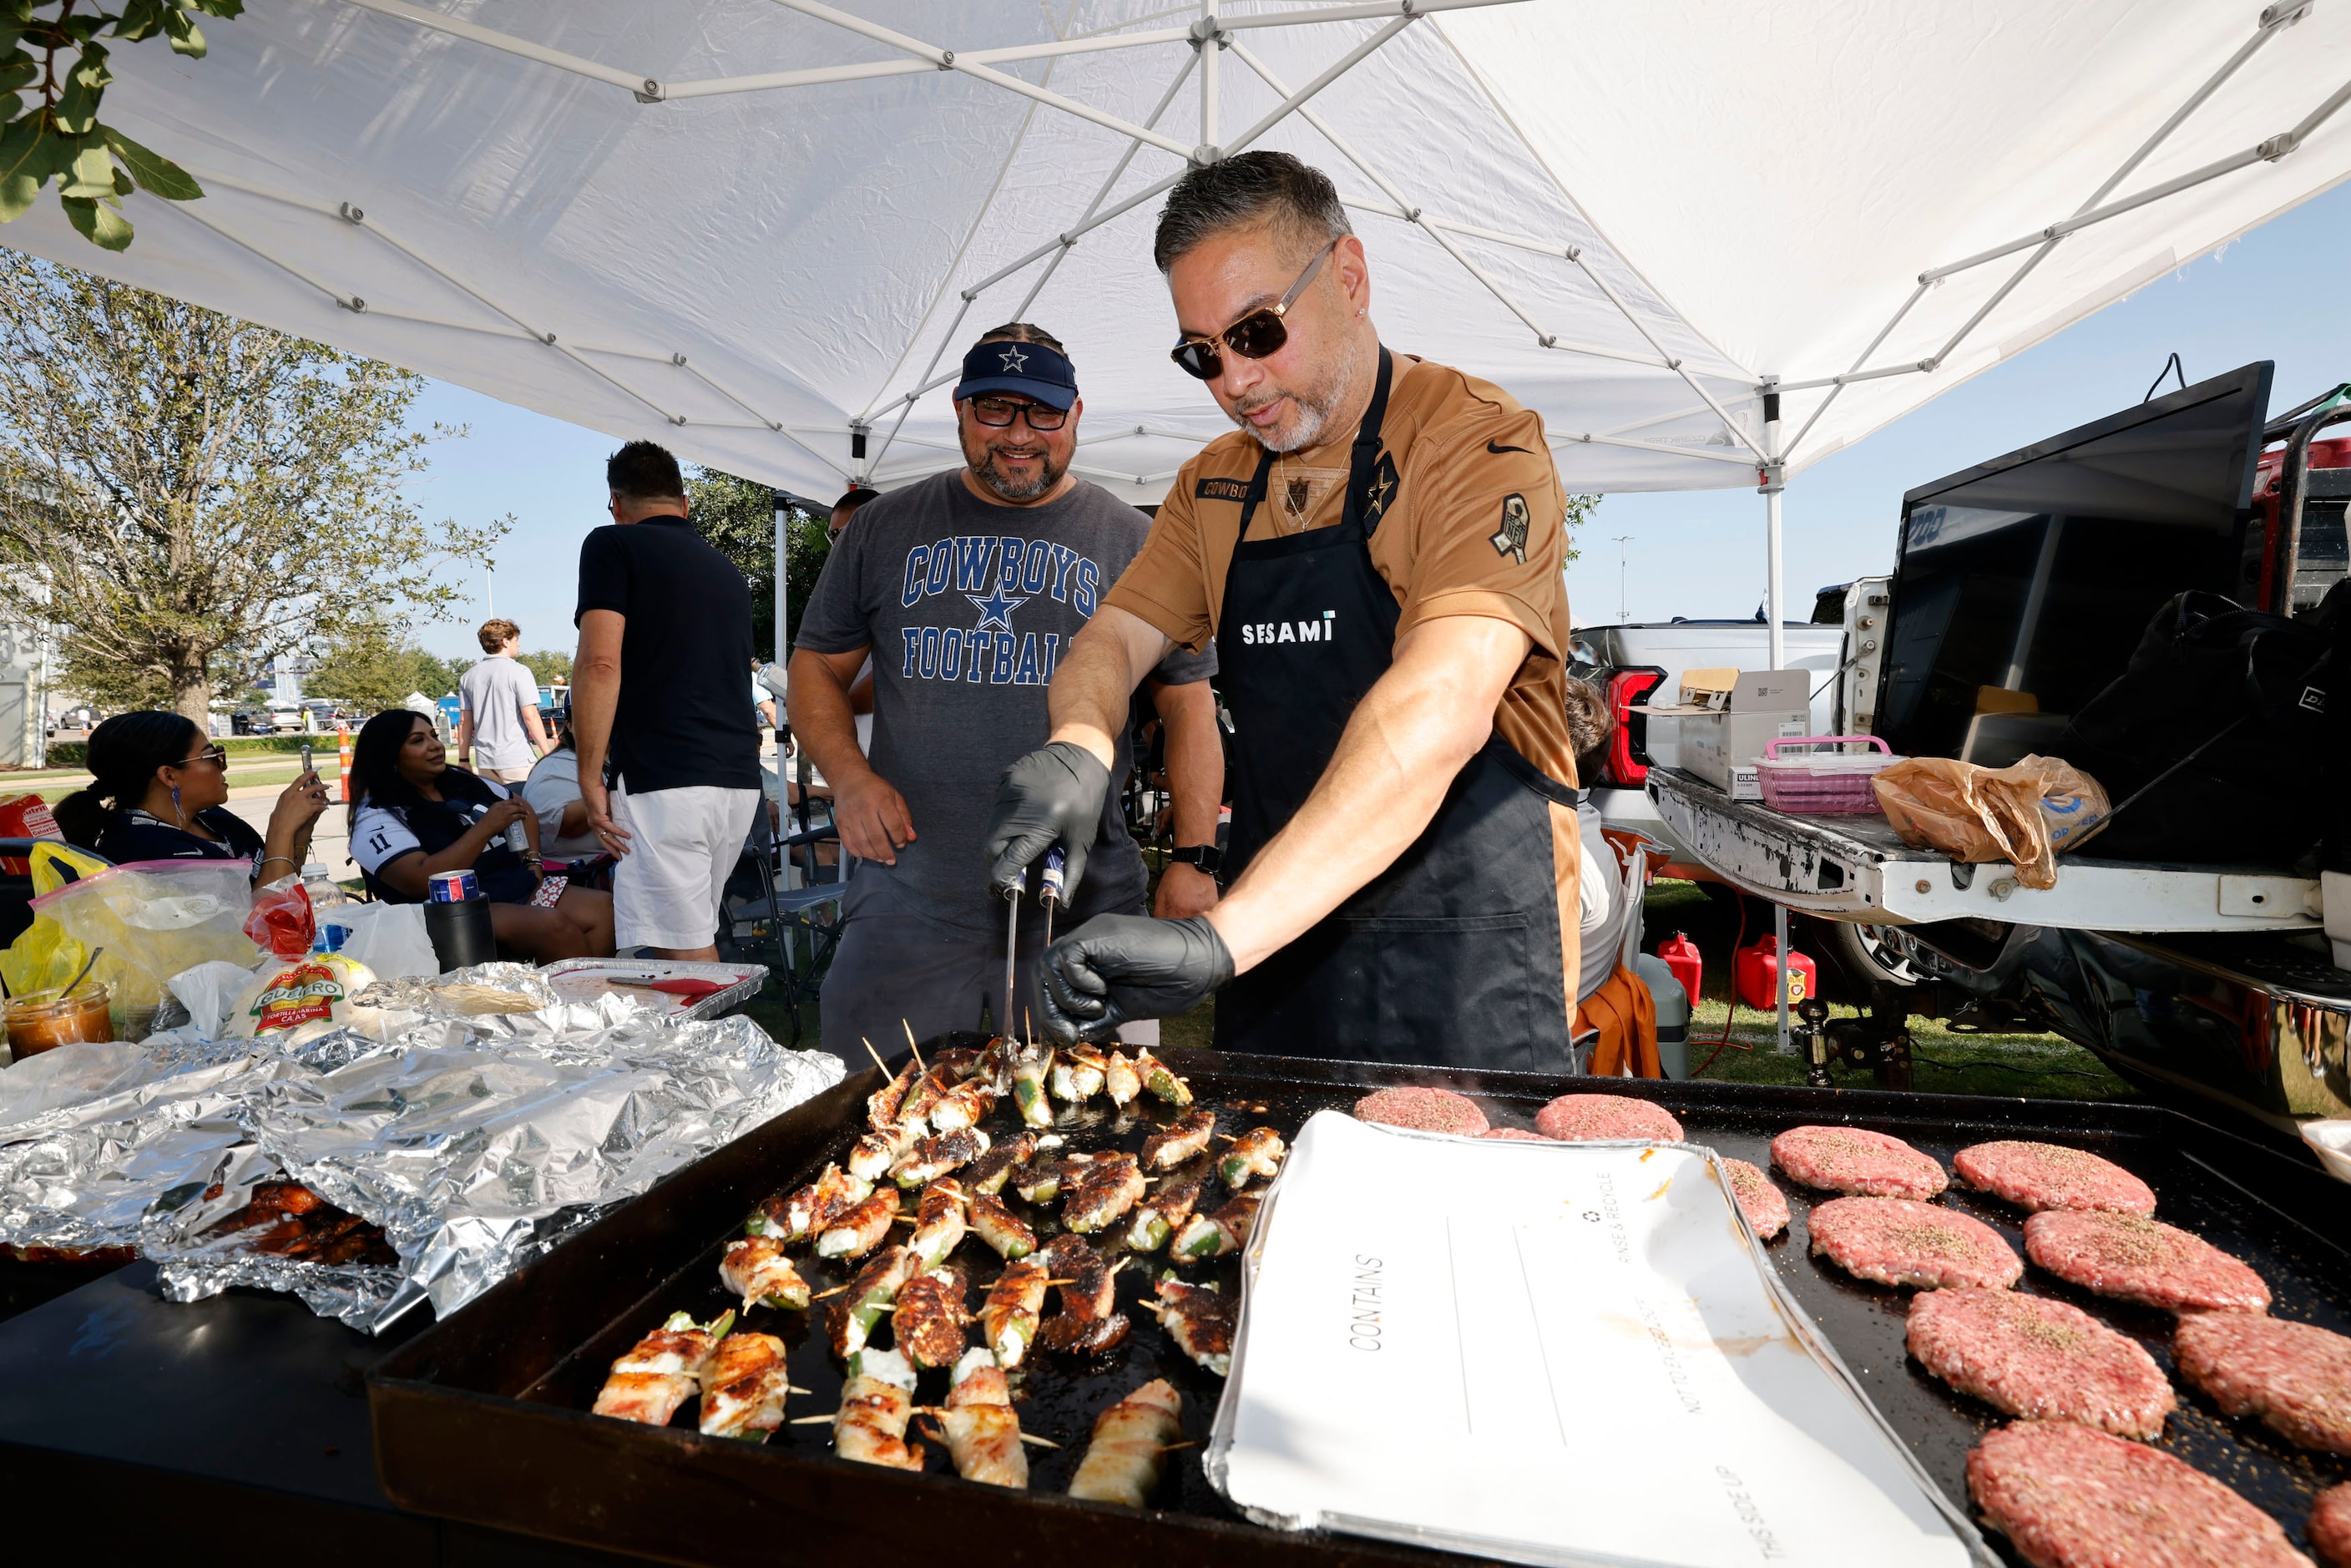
column 1119, row 968
column 1053, row 795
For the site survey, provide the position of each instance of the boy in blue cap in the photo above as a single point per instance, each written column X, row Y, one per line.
column 966, row 590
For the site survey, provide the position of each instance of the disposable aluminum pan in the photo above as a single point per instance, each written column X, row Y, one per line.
column 743, row 981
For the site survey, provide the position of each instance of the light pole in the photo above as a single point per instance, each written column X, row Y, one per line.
column 1623, row 611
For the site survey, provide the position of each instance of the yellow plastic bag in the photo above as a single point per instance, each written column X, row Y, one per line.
column 44, row 956
column 2027, row 813
column 48, row 860
column 153, row 918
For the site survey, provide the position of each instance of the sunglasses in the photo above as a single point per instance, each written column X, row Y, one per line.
column 217, row 755
column 1000, row 411
column 1254, row 335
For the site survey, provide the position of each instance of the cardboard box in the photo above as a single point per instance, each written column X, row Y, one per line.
column 1760, row 706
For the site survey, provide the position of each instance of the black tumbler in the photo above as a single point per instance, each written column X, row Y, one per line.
column 461, row 933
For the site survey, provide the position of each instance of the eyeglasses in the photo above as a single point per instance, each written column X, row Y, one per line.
column 216, row 754
column 1000, row 411
column 1253, row 337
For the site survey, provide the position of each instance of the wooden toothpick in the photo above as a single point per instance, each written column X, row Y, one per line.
column 913, row 1047
column 886, row 1074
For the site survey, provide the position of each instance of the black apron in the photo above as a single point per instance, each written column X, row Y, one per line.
column 1451, row 957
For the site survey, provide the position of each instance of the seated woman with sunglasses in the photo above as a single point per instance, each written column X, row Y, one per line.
column 413, row 815
column 160, row 792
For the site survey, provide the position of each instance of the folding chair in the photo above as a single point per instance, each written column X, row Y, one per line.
column 812, row 911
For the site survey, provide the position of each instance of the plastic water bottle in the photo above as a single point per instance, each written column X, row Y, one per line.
column 321, row 888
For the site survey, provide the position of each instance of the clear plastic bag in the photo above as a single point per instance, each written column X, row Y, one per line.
column 154, row 919
column 2028, row 813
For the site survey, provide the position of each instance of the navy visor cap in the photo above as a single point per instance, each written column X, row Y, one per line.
column 1029, row 369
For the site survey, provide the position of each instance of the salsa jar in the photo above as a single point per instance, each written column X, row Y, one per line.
column 43, row 1021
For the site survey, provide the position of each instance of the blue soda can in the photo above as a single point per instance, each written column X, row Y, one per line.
column 452, row 886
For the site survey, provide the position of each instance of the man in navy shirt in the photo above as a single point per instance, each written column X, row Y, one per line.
column 669, row 751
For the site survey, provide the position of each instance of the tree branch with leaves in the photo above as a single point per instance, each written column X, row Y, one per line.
column 176, row 484
column 50, row 50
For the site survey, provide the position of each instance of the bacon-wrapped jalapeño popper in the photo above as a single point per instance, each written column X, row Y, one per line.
column 876, row 1402
column 1256, row 1153
column 1087, row 1324
column 1041, row 1180
column 1215, row 1235
column 810, row 1210
column 871, row 1157
column 1201, row 1320
column 989, row 1171
column 965, row 1105
column 982, row 1430
column 938, row 1221
column 861, row 1229
column 1008, row 1318
column 1001, row 1228
column 934, row 1156
column 1178, row 1141
column 1078, row 1073
column 883, row 1106
column 927, row 1321
column 743, row 1391
column 757, row 1270
column 1158, row 1216
column 868, row 1300
column 1030, row 1070
column 1106, row 1191
column 1120, row 1078
column 1160, row 1079
column 663, row 1370
column 1130, row 1444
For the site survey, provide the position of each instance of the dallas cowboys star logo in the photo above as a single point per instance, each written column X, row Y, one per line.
column 1015, row 361
column 996, row 610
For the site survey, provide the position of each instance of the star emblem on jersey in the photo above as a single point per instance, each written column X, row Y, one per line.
column 1014, row 361
column 996, row 610
column 1511, row 538
column 1380, row 491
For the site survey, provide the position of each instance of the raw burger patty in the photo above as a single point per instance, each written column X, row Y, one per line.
column 1588, row 1118
column 1896, row 1241
column 2296, row 1377
column 2071, row 1498
column 2144, row 1261
column 2034, row 1357
column 1519, row 1132
column 2049, row 1176
column 1764, row 1205
column 1428, row 1110
column 1855, row 1160
column 2330, row 1527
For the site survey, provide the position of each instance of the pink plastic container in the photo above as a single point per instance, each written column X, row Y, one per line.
column 1823, row 784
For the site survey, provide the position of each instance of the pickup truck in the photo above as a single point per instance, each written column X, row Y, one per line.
column 2021, row 590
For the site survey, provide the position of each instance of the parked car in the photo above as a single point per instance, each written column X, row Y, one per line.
column 82, row 717
column 2023, row 589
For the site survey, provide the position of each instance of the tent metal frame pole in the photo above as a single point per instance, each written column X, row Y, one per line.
column 1774, row 483
column 782, row 660
column 1596, row 438
column 2096, row 210
column 1208, row 42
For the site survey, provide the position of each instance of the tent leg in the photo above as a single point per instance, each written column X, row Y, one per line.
column 1775, row 632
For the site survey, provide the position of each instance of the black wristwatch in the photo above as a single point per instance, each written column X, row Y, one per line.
column 1208, row 859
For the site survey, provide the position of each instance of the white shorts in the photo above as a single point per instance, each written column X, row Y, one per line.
column 682, row 845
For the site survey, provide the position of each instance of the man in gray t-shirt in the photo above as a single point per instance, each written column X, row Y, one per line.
column 966, row 590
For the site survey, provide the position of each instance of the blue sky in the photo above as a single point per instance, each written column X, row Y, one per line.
column 2276, row 294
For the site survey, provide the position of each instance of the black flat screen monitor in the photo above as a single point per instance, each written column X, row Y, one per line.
column 2021, row 585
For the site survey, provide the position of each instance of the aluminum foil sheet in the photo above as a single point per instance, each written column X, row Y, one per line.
column 475, row 1148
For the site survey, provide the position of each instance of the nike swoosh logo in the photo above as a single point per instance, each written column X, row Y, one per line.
column 1497, row 451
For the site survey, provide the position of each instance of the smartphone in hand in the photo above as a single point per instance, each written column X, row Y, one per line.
column 306, row 756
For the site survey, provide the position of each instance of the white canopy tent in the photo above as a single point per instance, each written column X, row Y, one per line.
column 763, row 231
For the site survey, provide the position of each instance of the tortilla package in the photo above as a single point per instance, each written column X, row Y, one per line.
column 287, row 994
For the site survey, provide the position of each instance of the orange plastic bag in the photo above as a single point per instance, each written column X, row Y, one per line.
column 2028, row 813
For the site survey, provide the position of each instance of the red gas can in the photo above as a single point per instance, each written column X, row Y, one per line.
column 1681, row 956
column 1755, row 975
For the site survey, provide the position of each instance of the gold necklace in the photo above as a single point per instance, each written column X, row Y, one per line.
column 1294, row 493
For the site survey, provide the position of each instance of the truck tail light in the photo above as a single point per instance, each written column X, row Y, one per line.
column 1629, row 749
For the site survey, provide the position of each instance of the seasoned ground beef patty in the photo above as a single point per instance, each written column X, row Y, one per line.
column 1857, row 1161
column 2034, row 1357
column 1589, row 1118
column 1521, row 1134
column 1899, row 1241
column 1764, row 1205
column 2144, row 1261
column 1428, row 1110
column 2071, row 1498
column 2295, row 1376
column 2330, row 1526
column 2049, row 1176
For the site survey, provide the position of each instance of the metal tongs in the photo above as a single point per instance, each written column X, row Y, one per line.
column 1051, row 881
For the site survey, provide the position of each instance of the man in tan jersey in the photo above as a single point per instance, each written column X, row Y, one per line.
column 1376, row 554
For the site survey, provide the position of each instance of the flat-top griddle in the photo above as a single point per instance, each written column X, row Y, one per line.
column 485, row 1417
